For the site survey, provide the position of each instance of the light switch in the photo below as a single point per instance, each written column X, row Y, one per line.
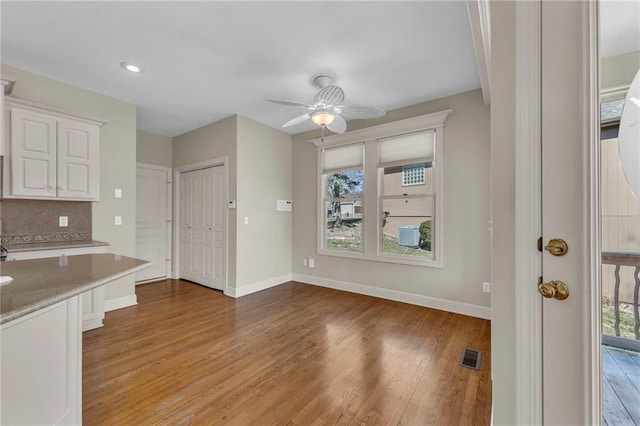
column 118, row 193
column 118, row 220
column 246, row 220
column 63, row 221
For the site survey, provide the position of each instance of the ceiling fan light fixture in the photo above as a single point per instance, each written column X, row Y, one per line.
column 323, row 117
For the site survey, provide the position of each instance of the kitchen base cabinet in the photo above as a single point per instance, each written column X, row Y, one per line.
column 41, row 364
column 91, row 302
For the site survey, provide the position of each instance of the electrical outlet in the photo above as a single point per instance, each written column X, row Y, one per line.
column 63, row 221
column 486, row 287
column 312, row 263
column 118, row 220
column 246, row 220
column 118, row 193
column 304, row 262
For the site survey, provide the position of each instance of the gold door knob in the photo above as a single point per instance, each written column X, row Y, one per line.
column 557, row 247
column 554, row 290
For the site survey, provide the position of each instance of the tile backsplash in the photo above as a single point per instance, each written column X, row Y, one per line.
column 36, row 221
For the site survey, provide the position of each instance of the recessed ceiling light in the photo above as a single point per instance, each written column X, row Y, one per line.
column 130, row 67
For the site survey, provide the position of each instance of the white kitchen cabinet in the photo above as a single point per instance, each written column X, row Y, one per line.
column 50, row 154
column 41, row 363
column 6, row 84
column 91, row 302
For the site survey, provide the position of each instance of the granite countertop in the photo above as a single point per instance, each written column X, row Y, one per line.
column 52, row 245
column 39, row 283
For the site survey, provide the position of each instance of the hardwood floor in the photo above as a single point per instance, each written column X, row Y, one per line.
column 294, row 354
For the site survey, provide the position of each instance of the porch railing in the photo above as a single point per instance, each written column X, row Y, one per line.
column 620, row 259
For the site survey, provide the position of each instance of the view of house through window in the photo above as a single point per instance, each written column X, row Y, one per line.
column 407, row 209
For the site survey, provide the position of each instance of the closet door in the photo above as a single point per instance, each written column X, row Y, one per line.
column 202, row 227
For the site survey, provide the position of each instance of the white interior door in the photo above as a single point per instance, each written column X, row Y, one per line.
column 202, row 227
column 569, row 327
column 152, row 219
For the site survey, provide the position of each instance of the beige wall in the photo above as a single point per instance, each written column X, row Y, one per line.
column 215, row 140
column 259, row 171
column 502, row 81
column 154, row 149
column 264, row 176
column 466, row 210
column 117, row 159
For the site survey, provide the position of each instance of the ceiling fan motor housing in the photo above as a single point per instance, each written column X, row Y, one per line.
column 322, row 81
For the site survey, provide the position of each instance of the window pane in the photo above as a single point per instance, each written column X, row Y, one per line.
column 406, row 226
column 345, row 184
column 343, row 225
column 413, row 175
column 410, row 179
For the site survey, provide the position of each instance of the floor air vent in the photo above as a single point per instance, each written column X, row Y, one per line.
column 471, row 358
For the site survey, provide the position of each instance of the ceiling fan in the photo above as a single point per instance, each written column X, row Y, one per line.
column 327, row 109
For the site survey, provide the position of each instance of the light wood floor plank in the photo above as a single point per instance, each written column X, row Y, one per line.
column 294, row 354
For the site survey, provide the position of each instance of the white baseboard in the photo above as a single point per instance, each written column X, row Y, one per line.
column 398, row 296
column 91, row 324
column 255, row 287
column 120, row 302
column 152, row 280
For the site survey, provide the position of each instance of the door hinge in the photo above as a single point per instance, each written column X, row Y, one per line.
column 540, row 244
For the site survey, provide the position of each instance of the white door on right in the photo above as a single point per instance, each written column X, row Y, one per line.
column 152, row 214
column 569, row 325
column 202, row 253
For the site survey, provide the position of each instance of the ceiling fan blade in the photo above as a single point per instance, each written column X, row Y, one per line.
column 331, row 95
column 290, row 103
column 359, row 111
column 296, row 120
column 338, row 125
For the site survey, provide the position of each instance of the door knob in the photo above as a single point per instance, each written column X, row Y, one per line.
column 557, row 247
column 554, row 290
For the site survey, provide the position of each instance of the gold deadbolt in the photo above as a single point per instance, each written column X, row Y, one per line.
column 554, row 290
column 557, row 247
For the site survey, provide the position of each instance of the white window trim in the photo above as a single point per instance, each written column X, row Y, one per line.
column 373, row 209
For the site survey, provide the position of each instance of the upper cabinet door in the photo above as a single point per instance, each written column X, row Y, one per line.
column 78, row 161
column 33, row 154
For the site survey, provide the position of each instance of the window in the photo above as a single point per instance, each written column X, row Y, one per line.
column 407, row 208
column 413, row 175
column 343, row 183
column 381, row 191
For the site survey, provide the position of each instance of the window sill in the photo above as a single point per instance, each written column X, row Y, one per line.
column 402, row 260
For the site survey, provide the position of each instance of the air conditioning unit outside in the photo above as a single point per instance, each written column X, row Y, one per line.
column 408, row 236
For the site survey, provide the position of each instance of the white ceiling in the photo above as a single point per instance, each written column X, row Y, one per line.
column 619, row 27
column 204, row 61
